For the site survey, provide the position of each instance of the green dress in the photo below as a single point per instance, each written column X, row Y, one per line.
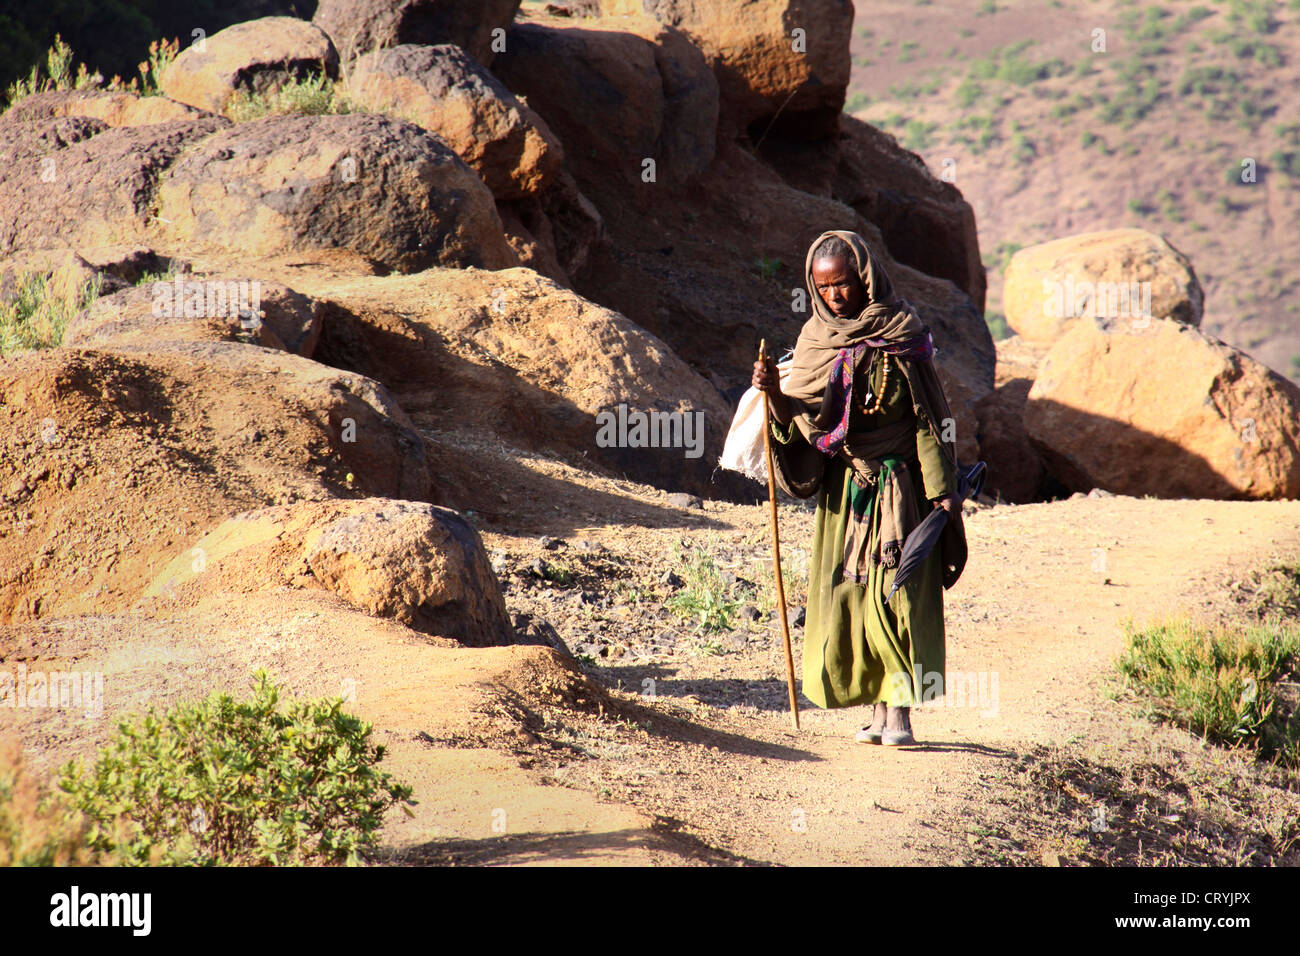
column 857, row 649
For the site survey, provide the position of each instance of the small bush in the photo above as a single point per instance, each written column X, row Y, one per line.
column 37, row 828
column 59, row 75
column 41, row 306
column 314, row 95
column 1230, row 687
column 227, row 782
column 705, row 598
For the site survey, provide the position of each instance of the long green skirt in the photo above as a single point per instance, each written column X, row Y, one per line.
column 857, row 648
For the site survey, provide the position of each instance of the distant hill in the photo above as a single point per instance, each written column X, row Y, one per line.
column 1046, row 137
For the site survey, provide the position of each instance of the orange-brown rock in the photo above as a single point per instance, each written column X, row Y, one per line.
column 1166, row 410
column 419, row 564
column 774, row 59
column 362, row 26
column 112, row 107
column 74, row 181
column 637, row 95
column 382, row 187
column 1127, row 274
column 193, row 308
column 256, row 56
column 112, row 459
column 444, row 90
column 514, row 355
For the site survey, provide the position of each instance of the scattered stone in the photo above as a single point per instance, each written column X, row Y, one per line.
column 538, row 567
column 681, row 500
column 1101, row 493
column 750, row 613
column 550, row 544
column 671, row 579
column 795, row 615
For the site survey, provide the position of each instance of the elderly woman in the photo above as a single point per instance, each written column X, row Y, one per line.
column 863, row 423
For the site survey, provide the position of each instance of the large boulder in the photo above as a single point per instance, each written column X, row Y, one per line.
column 445, row 91
column 75, row 181
column 112, row 107
column 620, row 91
column 1163, row 410
column 381, row 187
column 256, row 56
column 514, row 355
column 419, row 564
column 190, row 308
column 111, row 459
column 362, row 26
column 1127, row 274
column 782, row 64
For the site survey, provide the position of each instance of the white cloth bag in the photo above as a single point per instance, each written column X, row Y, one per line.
column 743, row 451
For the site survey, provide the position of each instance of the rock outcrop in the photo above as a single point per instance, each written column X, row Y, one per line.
column 779, row 63
column 111, row 458
column 444, row 90
column 1165, row 410
column 75, row 181
column 381, row 187
column 1126, row 274
column 190, row 308
column 362, row 26
column 113, row 108
column 515, row 355
column 257, row 56
column 416, row 563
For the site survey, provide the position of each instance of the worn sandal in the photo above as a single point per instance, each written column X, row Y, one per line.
column 868, row 736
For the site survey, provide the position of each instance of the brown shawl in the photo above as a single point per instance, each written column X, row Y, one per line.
column 885, row 316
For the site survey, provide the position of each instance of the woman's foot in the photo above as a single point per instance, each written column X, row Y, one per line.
column 898, row 727
column 872, row 734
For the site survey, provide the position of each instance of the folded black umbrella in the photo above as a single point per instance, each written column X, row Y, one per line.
column 924, row 536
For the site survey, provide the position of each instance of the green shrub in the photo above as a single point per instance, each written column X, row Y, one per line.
column 227, row 782
column 37, row 828
column 997, row 324
column 857, row 101
column 313, row 95
column 59, row 75
column 916, row 134
column 705, row 598
column 41, row 306
column 1230, row 687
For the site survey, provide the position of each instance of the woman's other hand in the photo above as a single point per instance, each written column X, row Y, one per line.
column 950, row 504
column 767, row 379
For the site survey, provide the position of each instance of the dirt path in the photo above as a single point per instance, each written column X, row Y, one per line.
column 1036, row 622
column 516, row 758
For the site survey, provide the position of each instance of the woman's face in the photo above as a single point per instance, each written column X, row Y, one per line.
column 837, row 282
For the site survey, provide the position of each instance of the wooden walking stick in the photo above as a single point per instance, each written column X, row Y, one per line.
column 776, row 546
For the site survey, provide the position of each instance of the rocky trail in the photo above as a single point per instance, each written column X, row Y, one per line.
column 1036, row 621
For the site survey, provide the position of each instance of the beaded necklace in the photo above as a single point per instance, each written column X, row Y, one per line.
column 884, row 385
